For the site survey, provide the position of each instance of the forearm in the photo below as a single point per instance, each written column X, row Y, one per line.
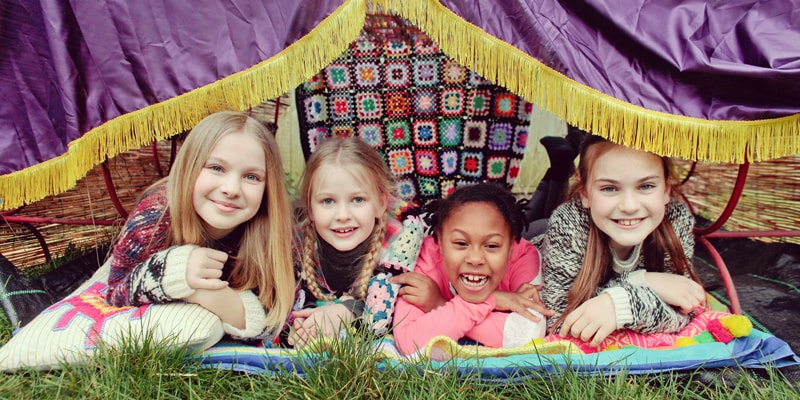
column 413, row 328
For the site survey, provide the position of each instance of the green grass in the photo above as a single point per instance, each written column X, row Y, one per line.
column 349, row 370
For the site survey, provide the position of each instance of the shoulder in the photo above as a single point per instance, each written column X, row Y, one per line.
column 679, row 212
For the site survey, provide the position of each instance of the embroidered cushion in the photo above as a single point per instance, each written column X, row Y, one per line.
column 70, row 330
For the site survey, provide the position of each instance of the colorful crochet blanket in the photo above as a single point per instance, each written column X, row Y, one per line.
column 437, row 124
column 713, row 340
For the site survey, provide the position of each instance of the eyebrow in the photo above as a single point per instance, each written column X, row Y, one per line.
column 608, row 180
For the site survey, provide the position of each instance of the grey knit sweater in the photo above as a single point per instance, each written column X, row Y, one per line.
column 637, row 306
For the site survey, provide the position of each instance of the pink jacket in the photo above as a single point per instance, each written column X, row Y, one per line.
column 413, row 328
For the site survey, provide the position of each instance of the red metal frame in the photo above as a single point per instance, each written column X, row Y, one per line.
column 702, row 234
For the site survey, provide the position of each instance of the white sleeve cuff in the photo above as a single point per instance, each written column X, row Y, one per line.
column 622, row 305
column 637, row 278
column 174, row 281
column 254, row 315
column 519, row 331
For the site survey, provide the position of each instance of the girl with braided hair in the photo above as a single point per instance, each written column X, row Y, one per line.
column 474, row 277
column 350, row 236
column 617, row 253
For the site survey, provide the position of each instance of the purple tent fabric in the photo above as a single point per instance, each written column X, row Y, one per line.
column 712, row 59
column 67, row 67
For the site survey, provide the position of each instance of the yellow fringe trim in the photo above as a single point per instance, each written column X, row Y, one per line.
column 240, row 91
column 665, row 134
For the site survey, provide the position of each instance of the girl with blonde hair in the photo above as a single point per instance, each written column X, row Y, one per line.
column 352, row 241
column 216, row 232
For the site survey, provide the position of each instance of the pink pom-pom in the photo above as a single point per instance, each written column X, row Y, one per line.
column 719, row 332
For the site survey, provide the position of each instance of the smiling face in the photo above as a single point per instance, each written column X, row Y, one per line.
column 475, row 243
column 626, row 193
column 229, row 189
column 342, row 207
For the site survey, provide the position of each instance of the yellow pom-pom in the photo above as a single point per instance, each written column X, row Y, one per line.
column 684, row 341
column 536, row 342
column 737, row 325
column 611, row 347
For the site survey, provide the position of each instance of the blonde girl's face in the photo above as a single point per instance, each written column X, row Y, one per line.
column 626, row 194
column 229, row 189
column 343, row 208
column 475, row 243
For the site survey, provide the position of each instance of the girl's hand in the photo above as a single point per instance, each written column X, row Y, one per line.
column 677, row 290
column 204, row 269
column 527, row 296
column 419, row 290
column 324, row 321
column 595, row 319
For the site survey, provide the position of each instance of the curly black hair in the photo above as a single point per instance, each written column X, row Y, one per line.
column 485, row 192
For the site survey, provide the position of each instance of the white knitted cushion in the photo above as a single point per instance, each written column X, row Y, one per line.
column 70, row 330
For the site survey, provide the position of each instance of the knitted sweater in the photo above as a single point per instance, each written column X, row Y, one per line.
column 413, row 328
column 637, row 306
column 145, row 271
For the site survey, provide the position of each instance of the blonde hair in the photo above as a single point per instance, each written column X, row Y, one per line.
column 264, row 260
column 365, row 164
column 663, row 243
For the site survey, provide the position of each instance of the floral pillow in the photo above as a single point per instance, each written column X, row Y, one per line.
column 70, row 330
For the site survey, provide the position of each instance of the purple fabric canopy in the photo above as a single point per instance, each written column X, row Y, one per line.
column 716, row 60
column 67, row 67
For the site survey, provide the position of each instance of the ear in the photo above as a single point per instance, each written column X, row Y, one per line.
column 584, row 198
column 384, row 204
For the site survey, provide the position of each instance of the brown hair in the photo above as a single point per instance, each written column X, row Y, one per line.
column 263, row 261
column 661, row 245
column 366, row 164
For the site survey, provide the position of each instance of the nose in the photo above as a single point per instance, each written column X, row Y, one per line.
column 628, row 202
column 342, row 211
column 230, row 185
column 474, row 255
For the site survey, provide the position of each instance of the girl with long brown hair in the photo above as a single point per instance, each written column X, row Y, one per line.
column 617, row 254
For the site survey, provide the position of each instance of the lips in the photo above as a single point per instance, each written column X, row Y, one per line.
column 225, row 206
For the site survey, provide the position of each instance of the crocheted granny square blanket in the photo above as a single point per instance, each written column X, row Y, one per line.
column 437, row 124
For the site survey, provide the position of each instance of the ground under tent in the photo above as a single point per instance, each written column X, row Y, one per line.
column 548, row 86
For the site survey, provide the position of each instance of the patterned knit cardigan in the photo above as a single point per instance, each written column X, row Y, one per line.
column 145, row 271
column 637, row 306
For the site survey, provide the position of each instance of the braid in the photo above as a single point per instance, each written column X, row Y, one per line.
column 310, row 272
column 371, row 258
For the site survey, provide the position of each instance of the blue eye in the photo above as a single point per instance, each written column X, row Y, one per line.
column 647, row 186
column 359, row 200
column 252, row 177
column 327, row 202
column 215, row 168
column 608, row 189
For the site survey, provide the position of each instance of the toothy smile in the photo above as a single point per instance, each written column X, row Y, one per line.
column 344, row 230
column 628, row 222
column 473, row 280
